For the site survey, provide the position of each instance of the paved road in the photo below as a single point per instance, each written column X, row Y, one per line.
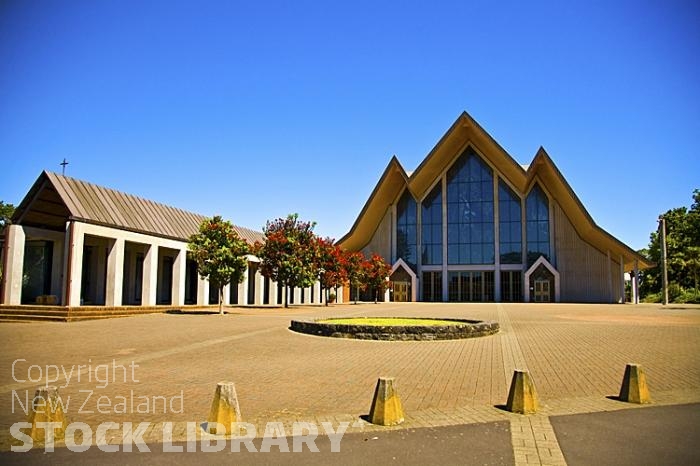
column 483, row 444
column 668, row 435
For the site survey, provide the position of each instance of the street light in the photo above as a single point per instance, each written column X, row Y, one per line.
column 664, row 276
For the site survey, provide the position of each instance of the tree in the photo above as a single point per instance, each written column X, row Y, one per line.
column 376, row 274
column 682, row 246
column 331, row 266
column 6, row 211
column 355, row 271
column 289, row 254
column 220, row 254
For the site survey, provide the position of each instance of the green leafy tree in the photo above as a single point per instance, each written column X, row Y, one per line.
column 290, row 253
column 220, row 254
column 376, row 274
column 6, row 211
column 682, row 248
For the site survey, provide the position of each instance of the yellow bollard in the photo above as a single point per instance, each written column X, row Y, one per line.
column 47, row 407
column 634, row 385
column 224, row 408
column 386, row 407
column 522, row 398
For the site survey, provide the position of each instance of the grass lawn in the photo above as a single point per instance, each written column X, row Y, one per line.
column 391, row 321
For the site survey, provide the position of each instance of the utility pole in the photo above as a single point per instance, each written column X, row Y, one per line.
column 664, row 276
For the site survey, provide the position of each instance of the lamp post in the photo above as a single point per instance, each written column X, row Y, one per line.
column 664, row 275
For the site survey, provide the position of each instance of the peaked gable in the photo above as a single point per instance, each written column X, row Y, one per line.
column 466, row 132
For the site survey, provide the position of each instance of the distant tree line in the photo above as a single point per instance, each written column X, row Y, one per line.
column 683, row 256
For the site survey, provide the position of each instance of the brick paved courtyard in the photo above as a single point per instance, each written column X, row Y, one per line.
column 576, row 355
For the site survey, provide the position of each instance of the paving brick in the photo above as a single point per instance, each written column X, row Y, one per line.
column 576, row 355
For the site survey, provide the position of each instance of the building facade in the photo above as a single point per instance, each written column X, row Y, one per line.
column 472, row 225
column 72, row 243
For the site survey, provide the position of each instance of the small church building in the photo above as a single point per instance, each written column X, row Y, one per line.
column 73, row 243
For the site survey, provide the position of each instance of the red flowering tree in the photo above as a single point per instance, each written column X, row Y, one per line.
column 376, row 274
column 355, row 271
column 331, row 266
column 289, row 254
column 220, row 254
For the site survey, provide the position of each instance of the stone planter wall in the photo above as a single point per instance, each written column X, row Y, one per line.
column 461, row 329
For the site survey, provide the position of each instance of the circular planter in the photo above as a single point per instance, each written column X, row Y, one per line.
column 461, row 328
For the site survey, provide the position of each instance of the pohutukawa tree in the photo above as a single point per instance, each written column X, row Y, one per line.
column 355, row 271
column 331, row 266
column 376, row 275
column 220, row 254
column 289, row 254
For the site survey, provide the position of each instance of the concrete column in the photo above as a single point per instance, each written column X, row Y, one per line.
column 227, row 295
column 150, row 276
column 243, row 288
column 75, row 277
column 202, row 291
column 622, row 280
column 610, row 282
column 297, row 295
column 273, row 293
column 339, row 295
column 316, row 290
column 14, row 265
column 179, row 272
column 635, row 283
column 115, row 273
column 259, row 288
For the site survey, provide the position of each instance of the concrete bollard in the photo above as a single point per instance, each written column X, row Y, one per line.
column 224, row 408
column 634, row 385
column 386, row 407
column 522, row 398
column 47, row 406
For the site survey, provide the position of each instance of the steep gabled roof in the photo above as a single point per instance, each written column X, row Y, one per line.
column 54, row 199
column 464, row 132
column 389, row 186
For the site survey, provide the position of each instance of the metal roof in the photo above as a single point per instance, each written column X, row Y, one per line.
column 98, row 205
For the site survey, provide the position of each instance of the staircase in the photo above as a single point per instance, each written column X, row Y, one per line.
column 25, row 313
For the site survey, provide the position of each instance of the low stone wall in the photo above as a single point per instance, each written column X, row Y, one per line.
column 461, row 329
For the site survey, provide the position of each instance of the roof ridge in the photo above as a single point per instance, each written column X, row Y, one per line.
column 200, row 217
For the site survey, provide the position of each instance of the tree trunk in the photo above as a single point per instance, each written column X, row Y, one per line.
column 325, row 290
column 286, row 296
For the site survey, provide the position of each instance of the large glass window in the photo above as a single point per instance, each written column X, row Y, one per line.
column 509, row 225
column 406, row 229
column 432, row 286
column 470, row 235
column 431, row 227
column 511, row 286
column 470, row 286
column 537, row 212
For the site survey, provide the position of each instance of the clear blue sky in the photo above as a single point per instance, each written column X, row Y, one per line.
column 254, row 110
